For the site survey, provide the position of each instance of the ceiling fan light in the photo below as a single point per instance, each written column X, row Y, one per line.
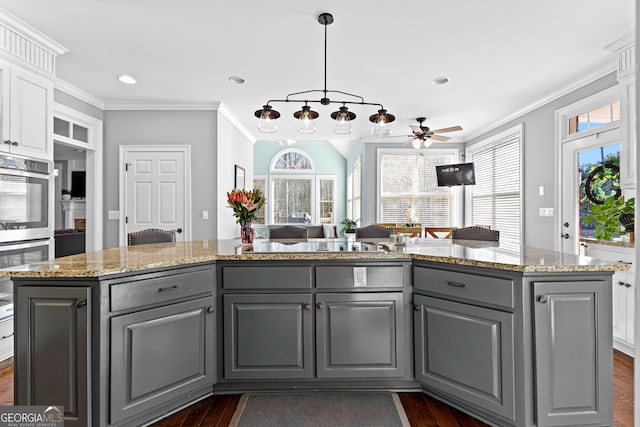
column 416, row 143
column 427, row 143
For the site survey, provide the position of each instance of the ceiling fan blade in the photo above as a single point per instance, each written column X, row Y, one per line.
column 451, row 129
column 440, row 138
column 416, row 129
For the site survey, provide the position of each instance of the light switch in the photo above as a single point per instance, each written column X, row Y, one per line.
column 205, row 214
column 114, row 214
column 359, row 277
column 541, row 190
column 547, row 211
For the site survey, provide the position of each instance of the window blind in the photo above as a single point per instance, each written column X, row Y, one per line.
column 408, row 182
column 496, row 199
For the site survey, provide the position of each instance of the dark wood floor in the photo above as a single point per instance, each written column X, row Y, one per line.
column 421, row 410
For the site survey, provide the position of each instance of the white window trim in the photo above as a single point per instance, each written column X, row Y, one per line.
column 280, row 153
column 311, row 177
column 607, row 96
column 317, row 197
column 456, row 192
column 484, row 143
column 352, row 215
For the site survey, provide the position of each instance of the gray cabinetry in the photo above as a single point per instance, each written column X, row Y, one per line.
column 360, row 335
column 160, row 354
column 53, row 350
column 573, row 353
column 268, row 336
column 466, row 351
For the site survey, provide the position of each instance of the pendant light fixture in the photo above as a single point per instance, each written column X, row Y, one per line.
column 306, row 116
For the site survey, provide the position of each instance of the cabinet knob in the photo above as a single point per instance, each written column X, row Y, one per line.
column 627, row 285
column 542, row 299
column 210, row 309
column 7, row 142
column 307, row 307
column 319, row 306
column 15, row 143
column 82, row 303
column 620, row 283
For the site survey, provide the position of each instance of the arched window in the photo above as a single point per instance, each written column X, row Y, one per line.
column 291, row 160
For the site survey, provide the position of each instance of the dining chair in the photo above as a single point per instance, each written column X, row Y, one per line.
column 288, row 232
column 151, row 235
column 438, row 232
column 315, row 232
column 476, row 233
column 373, row 231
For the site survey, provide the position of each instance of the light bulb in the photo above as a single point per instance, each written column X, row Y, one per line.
column 266, row 124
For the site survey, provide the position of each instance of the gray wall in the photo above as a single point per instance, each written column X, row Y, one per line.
column 195, row 128
column 78, row 105
column 539, row 158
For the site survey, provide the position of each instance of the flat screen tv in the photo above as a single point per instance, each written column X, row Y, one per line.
column 458, row 174
column 78, row 184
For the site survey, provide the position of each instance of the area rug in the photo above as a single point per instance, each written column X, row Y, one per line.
column 348, row 409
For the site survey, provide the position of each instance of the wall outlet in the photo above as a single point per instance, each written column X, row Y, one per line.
column 114, row 214
column 547, row 212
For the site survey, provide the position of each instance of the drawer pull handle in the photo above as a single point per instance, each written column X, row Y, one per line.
column 627, row 285
column 307, row 307
column 210, row 310
column 621, row 283
column 542, row 299
column 625, row 262
column 169, row 288
column 4, row 337
column 81, row 303
column 456, row 284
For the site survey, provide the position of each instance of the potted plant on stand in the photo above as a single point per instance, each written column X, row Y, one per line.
column 611, row 215
column 245, row 204
column 66, row 194
column 349, row 226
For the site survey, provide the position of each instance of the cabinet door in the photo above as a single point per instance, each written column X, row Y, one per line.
column 466, row 352
column 161, row 354
column 268, row 336
column 31, row 114
column 573, row 353
column 630, row 302
column 360, row 335
column 53, row 350
column 619, row 304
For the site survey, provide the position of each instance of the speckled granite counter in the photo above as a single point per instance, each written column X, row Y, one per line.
column 162, row 255
column 616, row 243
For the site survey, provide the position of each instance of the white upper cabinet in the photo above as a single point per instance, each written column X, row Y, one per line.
column 27, row 113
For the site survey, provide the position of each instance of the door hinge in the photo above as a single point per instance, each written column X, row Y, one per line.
column 126, row 167
column 126, row 220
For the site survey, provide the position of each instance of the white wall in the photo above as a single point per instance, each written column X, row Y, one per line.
column 233, row 148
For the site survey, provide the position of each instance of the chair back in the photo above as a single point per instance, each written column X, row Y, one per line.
column 438, row 232
column 373, row 231
column 151, row 235
column 476, row 233
column 315, row 232
column 288, row 232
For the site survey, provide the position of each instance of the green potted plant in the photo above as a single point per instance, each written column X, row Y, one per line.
column 349, row 226
column 611, row 215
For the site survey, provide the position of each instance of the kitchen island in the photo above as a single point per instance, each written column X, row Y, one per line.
column 513, row 336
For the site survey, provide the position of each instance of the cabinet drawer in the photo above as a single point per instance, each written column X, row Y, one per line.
column 612, row 253
column 483, row 289
column 266, row 277
column 160, row 289
column 6, row 331
column 388, row 276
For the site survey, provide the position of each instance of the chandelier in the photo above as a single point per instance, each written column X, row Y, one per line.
column 306, row 116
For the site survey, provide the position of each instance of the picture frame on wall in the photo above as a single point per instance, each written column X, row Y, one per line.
column 240, row 177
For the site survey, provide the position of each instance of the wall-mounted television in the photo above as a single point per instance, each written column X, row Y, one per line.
column 458, row 174
column 78, row 184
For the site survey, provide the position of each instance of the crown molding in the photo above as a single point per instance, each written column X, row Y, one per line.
column 601, row 72
column 15, row 24
column 161, row 107
column 79, row 93
column 235, row 123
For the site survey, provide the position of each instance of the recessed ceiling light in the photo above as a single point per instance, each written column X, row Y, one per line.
column 440, row 80
column 237, row 80
column 127, row 79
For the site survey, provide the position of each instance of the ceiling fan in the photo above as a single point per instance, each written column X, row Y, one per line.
column 423, row 136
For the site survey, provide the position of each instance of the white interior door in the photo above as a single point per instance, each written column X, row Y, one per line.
column 587, row 150
column 157, row 189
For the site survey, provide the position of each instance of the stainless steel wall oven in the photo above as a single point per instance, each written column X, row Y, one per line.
column 24, row 199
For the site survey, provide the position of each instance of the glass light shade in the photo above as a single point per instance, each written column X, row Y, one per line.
column 381, row 128
column 343, row 124
column 306, row 124
column 427, row 143
column 416, row 143
column 266, row 124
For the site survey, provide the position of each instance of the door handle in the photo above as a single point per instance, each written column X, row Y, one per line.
column 565, row 235
column 179, row 230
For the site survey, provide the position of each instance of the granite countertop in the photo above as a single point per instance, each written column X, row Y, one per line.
column 162, row 255
column 616, row 243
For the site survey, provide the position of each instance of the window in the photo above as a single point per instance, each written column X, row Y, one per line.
column 595, row 118
column 408, row 189
column 296, row 195
column 354, row 190
column 495, row 199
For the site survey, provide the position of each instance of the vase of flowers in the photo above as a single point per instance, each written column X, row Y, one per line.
column 245, row 204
